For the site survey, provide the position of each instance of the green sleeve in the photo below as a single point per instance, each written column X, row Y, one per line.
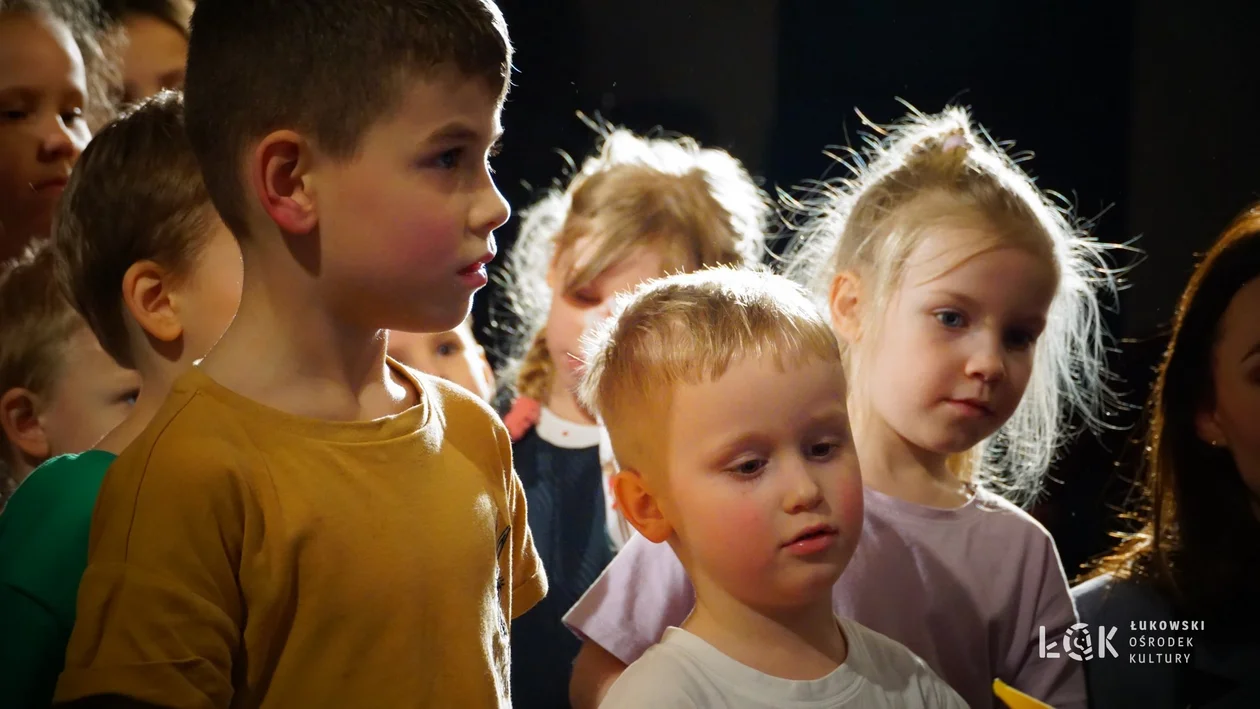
column 32, row 651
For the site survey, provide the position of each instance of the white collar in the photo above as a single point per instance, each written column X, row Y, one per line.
column 566, row 434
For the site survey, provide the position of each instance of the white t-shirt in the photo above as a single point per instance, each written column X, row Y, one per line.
column 685, row 671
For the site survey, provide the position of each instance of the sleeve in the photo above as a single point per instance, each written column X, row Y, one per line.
column 529, row 580
column 1114, row 681
column 160, row 610
column 31, row 649
column 1030, row 666
column 642, row 592
column 663, row 685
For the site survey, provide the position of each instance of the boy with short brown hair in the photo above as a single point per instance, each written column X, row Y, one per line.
column 306, row 522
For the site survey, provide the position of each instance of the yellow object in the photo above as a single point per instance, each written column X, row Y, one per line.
column 244, row 556
column 1016, row 699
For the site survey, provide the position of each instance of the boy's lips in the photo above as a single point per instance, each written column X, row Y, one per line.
column 477, row 265
column 814, row 534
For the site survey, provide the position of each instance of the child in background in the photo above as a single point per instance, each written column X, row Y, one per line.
column 966, row 307
column 157, row 277
column 723, row 393
column 637, row 209
column 453, row 355
column 60, row 392
column 156, row 46
column 55, row 86
column 305, row 522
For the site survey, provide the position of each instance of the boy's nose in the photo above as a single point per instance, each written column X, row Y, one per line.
column 803, row 492
column 492, row 210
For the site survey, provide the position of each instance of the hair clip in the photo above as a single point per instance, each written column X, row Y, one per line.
column 954, row 141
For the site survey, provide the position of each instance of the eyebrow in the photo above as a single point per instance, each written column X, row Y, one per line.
column 837, row 414
column 970, row 302
column 460, row 131
column 1255, row 349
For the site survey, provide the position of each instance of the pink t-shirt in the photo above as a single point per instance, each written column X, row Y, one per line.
column 966, row 589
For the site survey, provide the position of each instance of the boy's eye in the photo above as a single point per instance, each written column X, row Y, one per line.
column 950, row 318
column 72, row 116
column 129, row 397
column 822, row 450
column 447, row 349
column 449, row 160
column 13, row 114
column 748, row 468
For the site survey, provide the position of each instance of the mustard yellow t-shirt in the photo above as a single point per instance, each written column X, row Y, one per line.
column 244, row 557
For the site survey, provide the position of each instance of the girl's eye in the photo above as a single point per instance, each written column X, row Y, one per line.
column 129, row 397
column 1020, row 340
column 586, row 298
column 951, row 318
column 72, row 116
column 748, row 468
column 13, row 114
column 447, row 349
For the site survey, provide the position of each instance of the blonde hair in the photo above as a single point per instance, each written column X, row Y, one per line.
column 687, row 329
column 927, row 171
column 698, row 205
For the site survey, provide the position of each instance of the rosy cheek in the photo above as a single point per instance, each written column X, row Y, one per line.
column 849, row 506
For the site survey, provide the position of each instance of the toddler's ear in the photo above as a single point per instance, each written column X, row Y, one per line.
column 639, row 507
column 19, row 419
column 845, row 303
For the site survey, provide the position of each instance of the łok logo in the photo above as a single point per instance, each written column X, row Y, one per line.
column 1078, row 643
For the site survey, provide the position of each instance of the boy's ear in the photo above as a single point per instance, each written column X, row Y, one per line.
column 19, row 418
column 148, row 296
column 280, row 175
column 845, row 301
column 639, row 507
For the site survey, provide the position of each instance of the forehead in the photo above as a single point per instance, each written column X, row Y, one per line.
column 38, row 52
column 973, row 255
column 443, row 104
column 751, row 387
column 1240, row 323
column 630, row 267
column 147, row 34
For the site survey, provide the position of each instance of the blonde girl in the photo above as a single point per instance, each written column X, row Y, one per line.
column 639, row 208
column 966, row 305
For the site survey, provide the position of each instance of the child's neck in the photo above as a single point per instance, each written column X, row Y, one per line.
column 896, row 467
column 803, row 643
column 564, row 404
column 157, row 374
column 287, row 352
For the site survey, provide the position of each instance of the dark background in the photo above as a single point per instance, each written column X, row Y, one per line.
column 1144, row 113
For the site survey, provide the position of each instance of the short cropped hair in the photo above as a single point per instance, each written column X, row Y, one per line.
column 326, row 68
column 687, row 329
column 35, row 322
column 136, row 194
